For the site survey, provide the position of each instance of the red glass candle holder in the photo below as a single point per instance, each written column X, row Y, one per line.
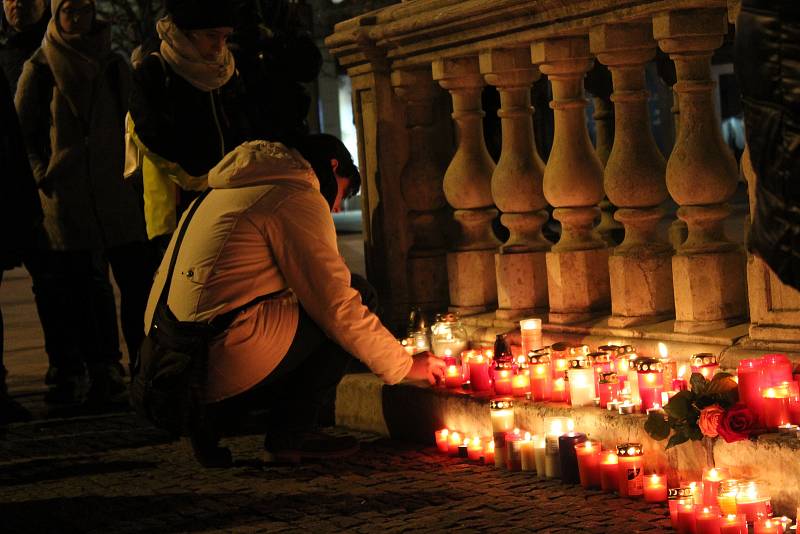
column 608, row 389
column 749, row 374
column 588, row 454
column 674, row 497
column 630, row 470
column 775, row 407
column 706, row 364
column 478, row 365
column 650, row 374
column 609, row 479
column 503, row 373
column 541, row 375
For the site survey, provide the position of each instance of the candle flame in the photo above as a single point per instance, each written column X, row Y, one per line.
column 466, row 442
column 527, row 436
column 444, row 433
column 556, row 427
column 448, row 352
column 521, row 359
column 456, row 437
column 682, row 371
column 588, row 445
column 770, row 393
column 420, row 343
column 570, row 425
column 713, row 473
column 516, row 431
column 530, row 324
column 479, row 358
column 662, row 350
column 655, row 479
column 489, row 353
column 476, row 441
column 451, row 370
column 731, row 517
column 540, row 369
column 706, row 510
column 631, row 451
column 611, row 458
column 752, row 490
column 650, row 377
column 504, row 374
column 490, row 446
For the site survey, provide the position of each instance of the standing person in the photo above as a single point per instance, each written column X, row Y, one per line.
column 187, row 108
column 22, row 27
column 20, row 215
column 71, row 100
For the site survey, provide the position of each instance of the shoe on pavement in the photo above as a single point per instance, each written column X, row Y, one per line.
column 66, row 391
column 208, row 453
column 107, row 391
column 308, row 446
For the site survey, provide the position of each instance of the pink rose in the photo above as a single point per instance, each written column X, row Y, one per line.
column 737, row 424
column 710, row 418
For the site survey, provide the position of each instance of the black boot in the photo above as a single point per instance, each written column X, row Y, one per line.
column 108, row 390
column 10, row 410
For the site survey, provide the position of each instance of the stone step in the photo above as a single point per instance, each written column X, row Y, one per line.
column 413, row 411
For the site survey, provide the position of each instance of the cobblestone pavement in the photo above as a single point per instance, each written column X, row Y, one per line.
column 111, row 474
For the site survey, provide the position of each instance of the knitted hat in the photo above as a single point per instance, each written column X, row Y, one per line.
column 201, row 14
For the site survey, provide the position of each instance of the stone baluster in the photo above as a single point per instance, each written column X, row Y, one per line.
column 421, row 187
column 577, row 266
column 708, row 270
column 517, row 187
column 641, row 267
column 467, row 188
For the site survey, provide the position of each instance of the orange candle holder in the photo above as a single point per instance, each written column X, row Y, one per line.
column 630, row 470
column 588, row 454
column 655, row 488
column 442, row 440
column 475, row 449
column 733, row 524
column 775, row 406
column 609, row 463
column 540, row 375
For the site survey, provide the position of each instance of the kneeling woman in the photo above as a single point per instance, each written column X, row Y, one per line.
column 265, row 229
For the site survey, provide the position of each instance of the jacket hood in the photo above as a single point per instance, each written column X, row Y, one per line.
column 261, row 163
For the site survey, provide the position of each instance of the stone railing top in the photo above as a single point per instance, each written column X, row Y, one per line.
column 415, row 32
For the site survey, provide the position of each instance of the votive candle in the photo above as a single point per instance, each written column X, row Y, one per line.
column 588, row 454
column 750, row 503
column 488, row 453
column 539, row 452
column 733, row 524
column 559, row 356
column 712, row 479
column 768, row 525
column 655, row 488
column 530, row 334
column 521, row 382
column 650, row 379
column 608, row 388
column 749, row 374
column 475, row 449
column 706, row 520
column 527, row 453
column 706, row 364
column 727, row 496
column 442, row 440
column 674, row 498
column 502, row 413
column 686, row 517
column 556, row 426
column 478, row 365
column 502, row 378
column 568, row 457
column 609, row 479
column 679, row 383
column 453, row 444
column 775, row 407
column 514, row 450
column 452, row 377
column 559, row 391
column 630, row 470
column 540, row 375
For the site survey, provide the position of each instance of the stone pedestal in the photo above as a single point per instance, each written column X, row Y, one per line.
column 471, row 278
column 521, row 284
column 642, row 289
column 709, row 290
column 578, row 283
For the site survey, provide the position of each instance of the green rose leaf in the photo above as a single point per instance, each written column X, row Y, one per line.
column 677, row 439
column 679, row 405
column 698, row 383
column 657, row 426
column 721, row 384
column 694, row 433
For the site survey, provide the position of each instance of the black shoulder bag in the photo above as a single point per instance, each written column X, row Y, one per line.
column 170, row 374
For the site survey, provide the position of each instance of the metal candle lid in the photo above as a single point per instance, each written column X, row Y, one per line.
column 674, row 494
column 504, row 403
column 704, row 358
column 561, row 346
column 580, row 364
column 649, row 365
column 579, row 351
column 537, row 356
column 608, row 378
column 503, row 365
column 450, row 317
column 609, row 349
column 629, row 449
column 598, row 357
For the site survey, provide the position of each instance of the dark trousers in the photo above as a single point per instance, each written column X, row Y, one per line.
column 297, row 388
column 76, row 304
column 2, row 346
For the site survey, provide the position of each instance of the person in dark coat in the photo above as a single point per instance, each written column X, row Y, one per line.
column 20, row 214
column 768, row 72
column 22, row 27
column 71, row 100
column 187, row 108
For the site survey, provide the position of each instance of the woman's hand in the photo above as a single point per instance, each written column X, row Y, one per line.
column 428, row 367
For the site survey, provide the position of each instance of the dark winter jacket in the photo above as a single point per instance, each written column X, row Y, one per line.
column 182, row 124
column 78, row 161
column 20, row 212
column 17, row 47
column 768, row 71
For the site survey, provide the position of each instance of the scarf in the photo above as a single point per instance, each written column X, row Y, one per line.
column 76, row 61
column 180, row 54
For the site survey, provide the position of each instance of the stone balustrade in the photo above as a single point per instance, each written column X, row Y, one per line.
column 434, row 200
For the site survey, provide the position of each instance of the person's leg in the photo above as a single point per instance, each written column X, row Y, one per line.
column 10, row 410
column 101, row 347
column 133, row 270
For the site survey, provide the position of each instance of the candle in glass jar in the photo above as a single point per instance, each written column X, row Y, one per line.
column 500, row 450
column 581, row 383
column 655, row 488
column 650, row 378
column 453, row 443
column 559, row 392
column 775, row 407
column 452, row 377
column 750, row 503
column 540, row 375
column 686, row 515
column 502, row 413
column 706, row 520
column 443, row 440
column 609, row 480
column 559, row 356
column 777, row 369
column 679, row 382
column 527, row 453
column 794, row 403
column 556, row 426
column 674, row 498
column 503, row 371
column 630, row 470
column 568, row 457
column 478, row 365
column 608, row 388
column 530, row 334
column 514, row 450
column 706, row 364
column 712, row 478
column 749, row 374
column 488, row 452
column 521, row 382
column 601, row 363
column 670, row 365
column 727, row 496
column 539, row 452
column 475, row 449
column 463, row 449
column 733, row 524
column 588, row 454
column 768, row 525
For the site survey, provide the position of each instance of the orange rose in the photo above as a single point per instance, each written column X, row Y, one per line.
column 710, row 418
